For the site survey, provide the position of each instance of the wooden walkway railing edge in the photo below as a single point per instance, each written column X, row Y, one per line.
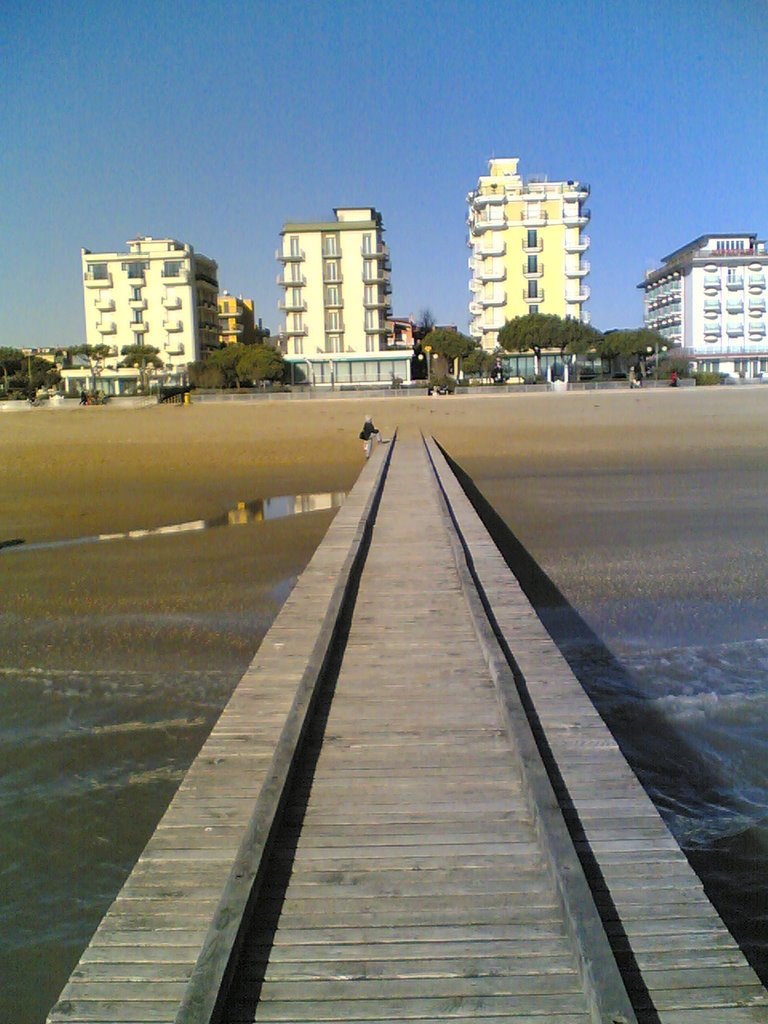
column 599, row 972
column 191, row 996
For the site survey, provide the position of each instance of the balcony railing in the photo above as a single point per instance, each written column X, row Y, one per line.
column 493, row 325
column 296, row 332
column 375, row 278
column 534, row 218
column 475, row 308
column 332, row 276
column 482, row 224
column 288, row 282
column 712, row 281
column 735, row 307
column 139, row 328
column 105, row 305
column 534, row 298
column 97, row 282
column 491, row 247
column 176, row 277
column 580, row 270
column 531, row 275
column 576, row 218
column 757, row 329
column 756, row 306
column 381, row 252
column 734, row 283
column 581, row 296
column 496, row 299
column 172, row 325
column 290, row 257
column 536, row 247
column 379, row 302
column 756, row 281
column 300, row 306
column 489, row 274
column 581, row 245
column 489, row 198
column 171, row 302
column 107, row 327
column 137, row 303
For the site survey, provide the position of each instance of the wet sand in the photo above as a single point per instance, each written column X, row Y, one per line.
column 654, row 495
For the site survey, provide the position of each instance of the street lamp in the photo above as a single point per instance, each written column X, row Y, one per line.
column 428, row 350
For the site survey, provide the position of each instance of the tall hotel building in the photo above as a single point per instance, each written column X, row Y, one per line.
column 710, row 298
column 527, row 245
column 336, row 285
column 159, row 293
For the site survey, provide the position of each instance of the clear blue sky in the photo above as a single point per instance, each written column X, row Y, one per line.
column 214, row 123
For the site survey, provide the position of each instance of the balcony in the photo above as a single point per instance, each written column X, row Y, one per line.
column 107, row 327
column 735, row 330
column 286, row 282
column 489, row 274
column 582, row 295
column 296, row 332
column 105, row 305
column 377, row 277
column 734, row 284
column 290, row 257
column 756, row 307
column 536, row 247
column 475, row 308
column 489, row 199
column 136, row 278
column 534, row 218
column 137, row 303
column 334, row 303
column 491, row 247
column 475, row 285
column 757, row 329
column 496, row 299
column 576, row 218
column 380, row 302
column 139, row 328
column 175, row 278
column 533, row 298
column 299, row 306
column 580, row 245
column 482, row 224
column 712, row 305
column 332, row 275
column 174, row 348
column 172, row 325
column 580, row 270
column 172, row 302
column 381, row 252
column 756, row 282
column 735, row 306
column 105, row 281
column 532, row 275
column 494, row 325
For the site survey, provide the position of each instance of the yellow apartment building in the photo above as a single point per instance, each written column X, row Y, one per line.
column 527, row 246
column 335, row 279
column 236, row 320
column 159, row 293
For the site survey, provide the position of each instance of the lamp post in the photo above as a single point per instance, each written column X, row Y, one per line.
column 428, row 350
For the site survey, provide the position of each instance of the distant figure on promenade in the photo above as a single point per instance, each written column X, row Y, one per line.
column 83, row 397
column 368, row 434
column 673, row 379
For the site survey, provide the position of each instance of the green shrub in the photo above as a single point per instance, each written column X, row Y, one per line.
column 705, row 378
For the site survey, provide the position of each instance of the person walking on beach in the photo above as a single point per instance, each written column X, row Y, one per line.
column 368, row 434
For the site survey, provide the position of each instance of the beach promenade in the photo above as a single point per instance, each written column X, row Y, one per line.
column 409, row 809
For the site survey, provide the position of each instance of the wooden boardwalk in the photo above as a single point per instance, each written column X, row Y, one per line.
column 376, row 829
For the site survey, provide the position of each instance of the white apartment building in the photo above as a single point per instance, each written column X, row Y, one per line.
column 159, row 293
column 710, row 298
column 336, row 286
column 528, row 243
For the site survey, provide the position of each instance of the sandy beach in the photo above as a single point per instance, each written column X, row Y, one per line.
column 647, row 509
column 609, row 491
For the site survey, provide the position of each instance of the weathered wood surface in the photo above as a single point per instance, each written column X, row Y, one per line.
column 644, row 883
column 417, row 887
column 180, row 908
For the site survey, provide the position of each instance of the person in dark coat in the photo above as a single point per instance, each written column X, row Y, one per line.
column 368, row 435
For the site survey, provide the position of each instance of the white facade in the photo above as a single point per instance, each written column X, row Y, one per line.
column 710, row 297
column 160, row 293
column 336, row 284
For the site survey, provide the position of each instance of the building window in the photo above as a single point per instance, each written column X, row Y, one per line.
column 331, row 271
column 294, row 245
column 533, row 289
column 138, row 316
column 295, row 296
column 295, row 272
column 332, row 295
column 533, row 238
column 136, row 294
column 99, row 271
column 533, row 264
column 172, row 268
column 333, row 320
column 298, row 346
column 367, row 244
column 371, row 319
column 330, row 247
column 533, row 309
column 135, row 270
